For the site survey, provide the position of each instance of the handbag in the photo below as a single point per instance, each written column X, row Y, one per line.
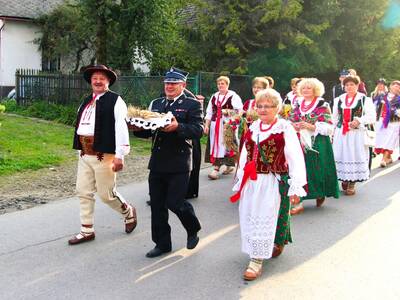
column 369, row 132
column 369, row 137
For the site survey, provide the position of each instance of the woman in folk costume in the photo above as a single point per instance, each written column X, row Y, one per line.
column 258, row 84
column 311, row 117
column 221, row 105
column 290, row 99
column 352, row 112
column 388, row 125
column 271, row 175
column 249, row 107
column 379, row 91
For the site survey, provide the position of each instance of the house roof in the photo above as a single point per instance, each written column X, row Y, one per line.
column 27, row 9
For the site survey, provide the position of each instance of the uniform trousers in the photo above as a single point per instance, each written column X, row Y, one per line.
column 93, row 176
column 168, row 191
column 193, row 188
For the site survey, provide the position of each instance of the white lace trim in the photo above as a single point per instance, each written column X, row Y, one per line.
column 296, row 189
column 323, row 128
column 151, row 123
column 359, row 96
column 301, row 99
column 280, row 126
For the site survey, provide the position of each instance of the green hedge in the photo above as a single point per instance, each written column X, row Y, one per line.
column 44, row 110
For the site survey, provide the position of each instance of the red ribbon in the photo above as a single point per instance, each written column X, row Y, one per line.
column 250, row 171
column 347, row 114
column 215, row 147
column 346, row 120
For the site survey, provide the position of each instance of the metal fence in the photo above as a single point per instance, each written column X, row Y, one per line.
column 69, row 89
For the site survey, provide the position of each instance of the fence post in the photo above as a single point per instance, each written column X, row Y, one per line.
column 62, row 96
column 17, row 85
column 196, row 84
column 199, row 83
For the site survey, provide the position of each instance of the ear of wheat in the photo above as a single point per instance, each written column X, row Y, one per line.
column 135, row 112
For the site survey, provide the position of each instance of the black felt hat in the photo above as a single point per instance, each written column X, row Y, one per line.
column 87, row 74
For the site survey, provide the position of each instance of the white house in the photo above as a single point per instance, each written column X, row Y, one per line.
column 17, row 33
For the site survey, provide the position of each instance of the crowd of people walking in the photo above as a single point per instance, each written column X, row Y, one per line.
column 284, row 151
column 300, row 148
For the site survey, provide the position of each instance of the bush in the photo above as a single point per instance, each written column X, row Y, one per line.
column 44, row 110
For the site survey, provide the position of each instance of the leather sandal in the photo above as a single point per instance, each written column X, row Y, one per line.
column 296, row 210
column 214, row 174
column 131, row 222
column 345, row 185
column 253, row 271
column 350, row 190
column 320, row 201
column 278, row 249
column 81, row 238
column 228, row 170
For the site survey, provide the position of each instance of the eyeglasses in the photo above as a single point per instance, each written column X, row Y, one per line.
column 266, row 106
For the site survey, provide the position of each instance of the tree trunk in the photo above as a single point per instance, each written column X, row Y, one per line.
column 101, row 33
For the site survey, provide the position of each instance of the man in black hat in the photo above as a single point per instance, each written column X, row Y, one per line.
column 102, row 138
column 338, row 89
column 171, row 162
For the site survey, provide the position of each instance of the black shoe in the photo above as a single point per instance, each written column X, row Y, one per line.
column 156, row 252
column 192, row 241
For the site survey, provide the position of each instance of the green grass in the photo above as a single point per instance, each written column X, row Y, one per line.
column 28, row 144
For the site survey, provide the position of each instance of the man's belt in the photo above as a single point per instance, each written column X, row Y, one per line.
column 87, row 146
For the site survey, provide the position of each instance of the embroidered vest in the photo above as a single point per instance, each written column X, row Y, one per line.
column 226, row 105
column 104, row 128
column 273, row 149
column 355, row 111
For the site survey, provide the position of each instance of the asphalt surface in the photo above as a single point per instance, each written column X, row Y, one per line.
column 348, row 249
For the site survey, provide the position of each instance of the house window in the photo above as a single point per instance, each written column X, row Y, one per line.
column 50, row 64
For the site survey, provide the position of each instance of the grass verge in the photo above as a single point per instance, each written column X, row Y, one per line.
column 31, row 144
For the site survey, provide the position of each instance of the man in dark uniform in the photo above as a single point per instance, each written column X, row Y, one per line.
column 338, row 89
column 194, row 178
column 171, row 163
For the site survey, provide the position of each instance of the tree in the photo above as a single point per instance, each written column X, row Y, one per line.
column 297, row 38
column 117, row 33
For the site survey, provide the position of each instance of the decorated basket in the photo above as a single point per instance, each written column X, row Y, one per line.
column 147, row 119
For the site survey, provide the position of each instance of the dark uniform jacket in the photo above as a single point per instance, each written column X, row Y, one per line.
column 172, row 151
column 336, row 92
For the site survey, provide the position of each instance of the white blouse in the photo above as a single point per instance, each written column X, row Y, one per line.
column 369, row 113
column 87, row 122
column 236, row 102
column 293, row 154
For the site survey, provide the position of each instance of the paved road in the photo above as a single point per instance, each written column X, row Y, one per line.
column 348, row 249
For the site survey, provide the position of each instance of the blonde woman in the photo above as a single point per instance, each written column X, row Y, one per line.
column 270, row 155
column 352, row 112
column 220, row 105
column 258, row 84
column 311, row 118
column 380, row 90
